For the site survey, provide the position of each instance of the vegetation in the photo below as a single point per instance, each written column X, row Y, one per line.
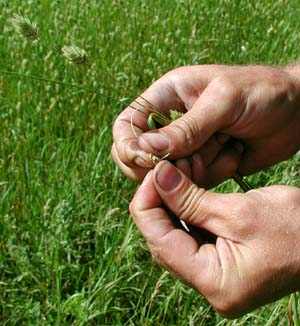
column 69, row 252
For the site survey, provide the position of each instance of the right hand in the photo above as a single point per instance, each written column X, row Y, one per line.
column 255, row 258
column 256, row 106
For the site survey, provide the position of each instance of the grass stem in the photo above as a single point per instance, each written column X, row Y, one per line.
column 47, row 80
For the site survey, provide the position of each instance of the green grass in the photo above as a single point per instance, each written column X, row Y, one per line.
column 70, row 254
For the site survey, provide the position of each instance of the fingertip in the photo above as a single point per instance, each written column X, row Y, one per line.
column 167, row 176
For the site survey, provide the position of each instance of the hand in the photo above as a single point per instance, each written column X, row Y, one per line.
column 256, row 107
column 256, row 257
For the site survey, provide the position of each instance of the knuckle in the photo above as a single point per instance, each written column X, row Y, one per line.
column 243, row 212
column 233, row 304
column 229, row 307
column 226, row 89
column 126, row 150
column 175, row 72
column 132, row 207
column 187, row 132
column 242, row 207
column 135, row 207
column 285, row 196
column 113, row 153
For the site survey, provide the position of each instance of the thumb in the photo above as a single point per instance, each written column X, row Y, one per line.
column 217, row 107
column 191, row 204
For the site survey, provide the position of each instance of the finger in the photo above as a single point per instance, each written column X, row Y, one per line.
column 217, row 107
column 222, row 168
column 184, row 165
column 136, row 174
column 173, row 248
column 225, row 164
column 199, row 171
column 212, row 147
column 202, row 158
column 128, row 125
column 148, row 214
column 191, row 204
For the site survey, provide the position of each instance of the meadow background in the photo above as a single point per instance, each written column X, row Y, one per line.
column 69, row 251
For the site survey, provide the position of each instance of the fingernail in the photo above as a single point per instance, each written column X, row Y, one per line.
column 167, row 176
column 239, row 147
column 222, row 138
column 157, row 141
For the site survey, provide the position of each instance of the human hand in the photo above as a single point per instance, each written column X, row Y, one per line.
column 256, row 257
column 255, row 106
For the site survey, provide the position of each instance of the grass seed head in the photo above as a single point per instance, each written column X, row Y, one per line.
column 174, row 115
column 25, row 27
column 75, row 55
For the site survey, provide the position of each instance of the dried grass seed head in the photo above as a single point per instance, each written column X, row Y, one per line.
column 25, row 27
column 75, row 55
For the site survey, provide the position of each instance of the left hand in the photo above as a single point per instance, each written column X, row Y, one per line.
column 256, row 257
column 253, row 106
column 219, row 155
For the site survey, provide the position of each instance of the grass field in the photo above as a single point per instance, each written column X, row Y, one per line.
column 69, row 252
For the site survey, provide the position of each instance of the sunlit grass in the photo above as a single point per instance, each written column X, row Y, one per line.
column 70, row 254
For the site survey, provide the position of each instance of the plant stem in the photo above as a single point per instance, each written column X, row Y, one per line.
column 47, row 80
column 241, row 182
